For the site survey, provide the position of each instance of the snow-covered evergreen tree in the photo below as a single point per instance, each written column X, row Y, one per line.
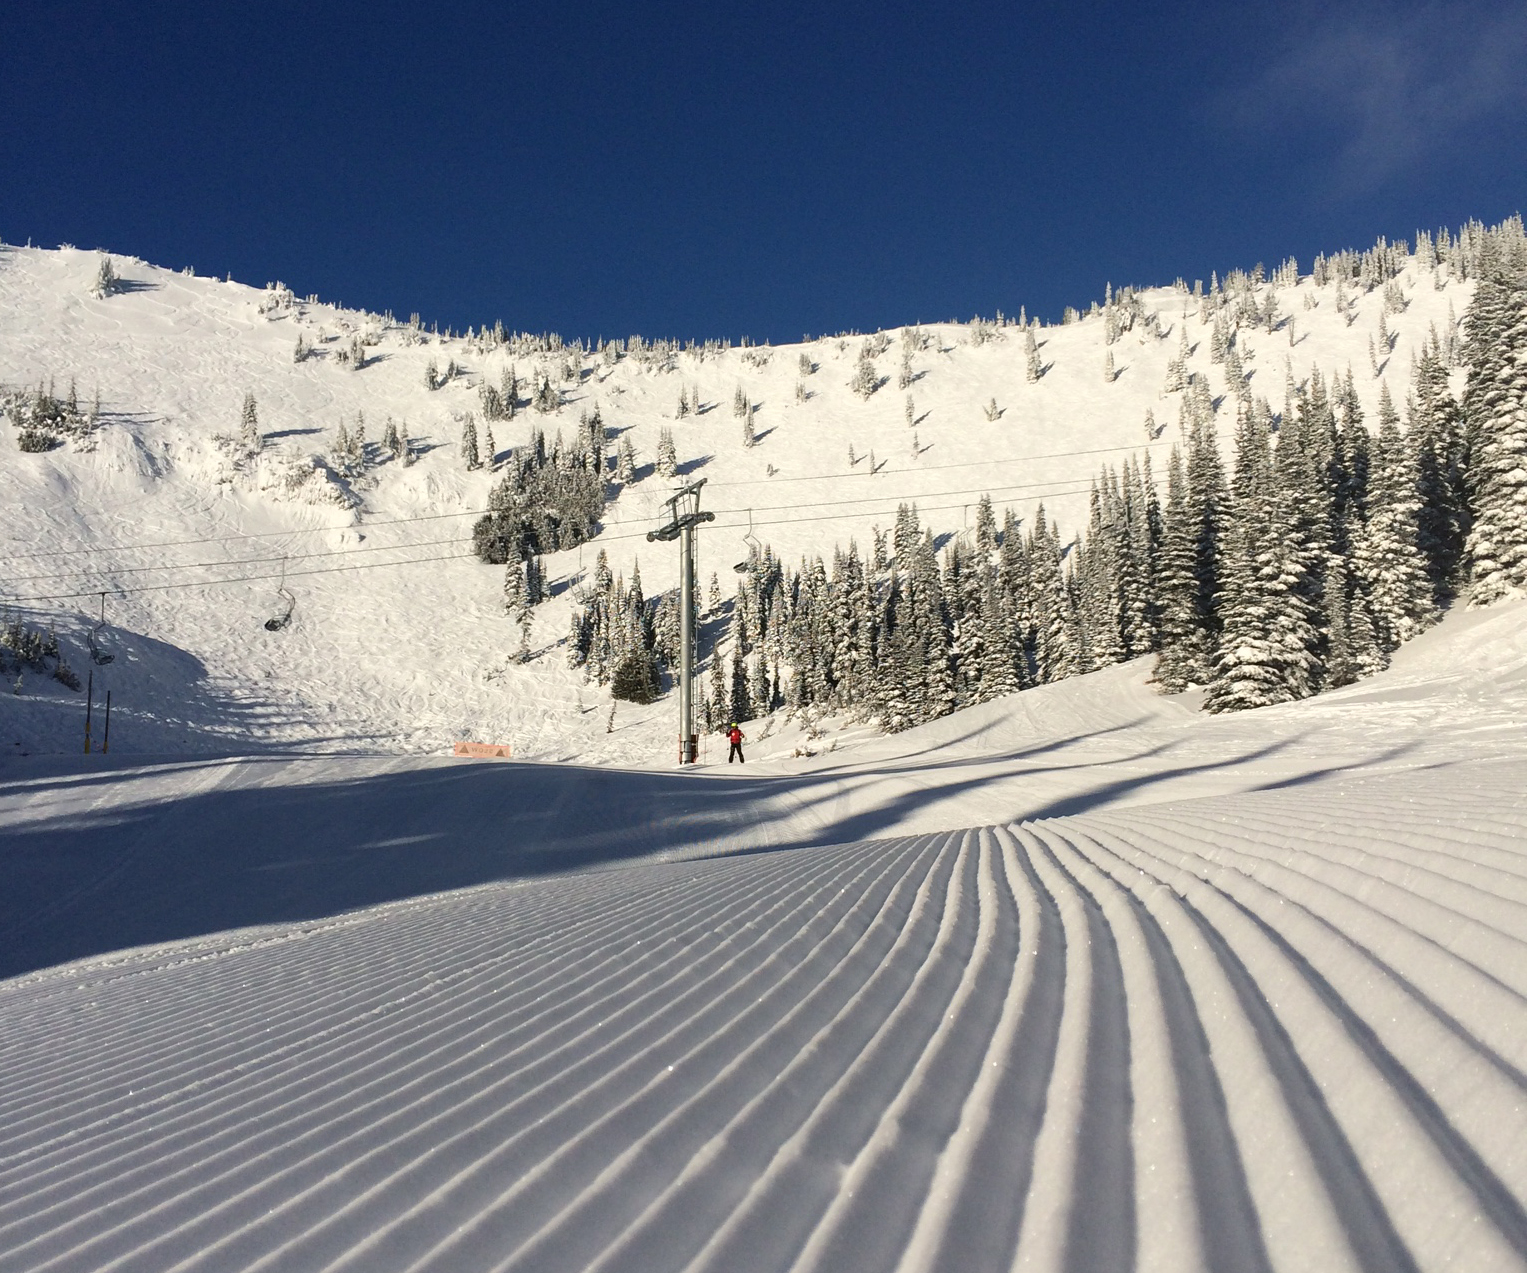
column 740, row 703
column 665, row 629
column 509, row 391
column 718, row 703
column 840, row 620
column 1309, row 477
column 341, row 452
column 1188, row 577
column 1264, row 654
column 105, row 278
column 1095, row 578
column 1386, row 553
column 865, row 380
column 1436, row 432
column 667, row 455
column 928, row 619
column 898, row 674
column 1042, row 596
column 469, row 452
column 986, row 529
column 516, row 595
column 760, row 689
column 535, row 579
column 1351, row 467
column 1137, row 519
column 1495, row 414
column 251, row 442
column 999, row 650
column 1032, row 368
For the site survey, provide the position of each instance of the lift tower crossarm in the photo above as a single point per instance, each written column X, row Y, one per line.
column 685, row 512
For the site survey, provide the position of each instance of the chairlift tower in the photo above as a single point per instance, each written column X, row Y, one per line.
column 685, row 515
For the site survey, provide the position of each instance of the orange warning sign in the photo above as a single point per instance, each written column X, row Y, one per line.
column 484, row 751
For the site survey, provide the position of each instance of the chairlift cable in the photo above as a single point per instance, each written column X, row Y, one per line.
column 477, row 512
column 445, row 557
column 372, row 548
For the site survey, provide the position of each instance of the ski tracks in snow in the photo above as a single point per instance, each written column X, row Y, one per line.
column 1284, row 1031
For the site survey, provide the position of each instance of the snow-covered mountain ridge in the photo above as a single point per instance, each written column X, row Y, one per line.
column 414, row 649
column 1080, row 977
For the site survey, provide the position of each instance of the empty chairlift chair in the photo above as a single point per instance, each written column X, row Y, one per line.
column 98, row 654
column 288, row 604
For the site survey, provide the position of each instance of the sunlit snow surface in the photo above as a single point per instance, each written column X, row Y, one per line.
column 403, row 645
column 1255, row 999
column 1077, row 980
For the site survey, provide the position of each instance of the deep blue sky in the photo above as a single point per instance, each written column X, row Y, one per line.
column 749, row 170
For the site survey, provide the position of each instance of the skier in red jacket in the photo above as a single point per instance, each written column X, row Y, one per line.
column 735, row 736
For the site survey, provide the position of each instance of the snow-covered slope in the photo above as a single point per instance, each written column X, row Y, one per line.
column 107, row 852
column 1281, row 1030
column 399, row 642
column 1079, row 979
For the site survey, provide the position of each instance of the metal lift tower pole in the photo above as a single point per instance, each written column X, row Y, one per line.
column 684, row 509
column 686, row 645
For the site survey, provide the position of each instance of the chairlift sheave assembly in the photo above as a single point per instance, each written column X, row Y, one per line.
column 98, row 656
column 288, row 604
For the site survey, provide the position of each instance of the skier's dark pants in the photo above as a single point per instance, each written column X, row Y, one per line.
column 735, row 754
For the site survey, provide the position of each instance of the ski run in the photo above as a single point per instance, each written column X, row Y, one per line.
column 1078, row 978
column 1282, row 1030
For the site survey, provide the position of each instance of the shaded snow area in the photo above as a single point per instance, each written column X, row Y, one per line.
column 1076, row 980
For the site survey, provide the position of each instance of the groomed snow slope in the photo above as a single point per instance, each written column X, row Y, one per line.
column 1272, row 1031
column 1281, row 1025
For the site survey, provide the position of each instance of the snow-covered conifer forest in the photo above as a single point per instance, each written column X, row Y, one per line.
column 1127, row 871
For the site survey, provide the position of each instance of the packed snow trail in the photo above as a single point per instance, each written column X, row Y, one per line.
column 1284, row 1030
